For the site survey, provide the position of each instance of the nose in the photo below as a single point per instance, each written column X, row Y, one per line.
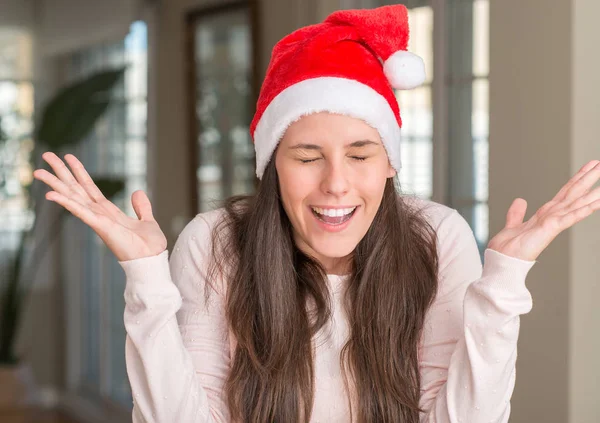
column 335, row 179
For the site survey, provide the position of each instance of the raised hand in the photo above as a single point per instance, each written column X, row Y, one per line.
column 127, row 237
column 574, row 202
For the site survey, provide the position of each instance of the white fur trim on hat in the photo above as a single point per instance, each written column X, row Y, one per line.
column 325, row 94
column 404, row 70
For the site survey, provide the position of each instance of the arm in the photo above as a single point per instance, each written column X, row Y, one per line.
column 469, row 344
column 177, row 347
column 174, row 377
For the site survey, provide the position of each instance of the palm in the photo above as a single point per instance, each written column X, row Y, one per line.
column 127, row 237
column 573, row 203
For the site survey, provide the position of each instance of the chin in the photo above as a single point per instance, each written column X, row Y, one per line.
column 334, row 248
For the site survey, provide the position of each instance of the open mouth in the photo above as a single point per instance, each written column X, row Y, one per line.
column 334, row 217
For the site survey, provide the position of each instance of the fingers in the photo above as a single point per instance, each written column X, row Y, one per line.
column 141, row 206
column 577, row 184
column 516, row 213
column 64, row 174
column 78, row 210
column 584, row 200
column 86, row 181
column 57, row 185
column 84, row 178
column 83, row 189
column 584, row 184
column 579, row 214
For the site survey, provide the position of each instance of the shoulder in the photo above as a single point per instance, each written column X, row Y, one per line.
column 196, row 239
column 454, row 234
column 201, row 227
column 194, row 248
column 437, row 215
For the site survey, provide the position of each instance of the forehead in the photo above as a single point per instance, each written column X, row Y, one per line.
column 329, row 127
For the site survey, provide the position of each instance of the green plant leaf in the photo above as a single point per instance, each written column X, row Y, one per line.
column 10, row 308
column 65, row 121
column 72, row 113
column 3, row 136
column 110, row 186
column 80, row 126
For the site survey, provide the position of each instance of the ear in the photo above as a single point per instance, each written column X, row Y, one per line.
column 391, row 171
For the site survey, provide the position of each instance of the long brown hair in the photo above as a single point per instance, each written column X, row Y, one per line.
column 392, row 283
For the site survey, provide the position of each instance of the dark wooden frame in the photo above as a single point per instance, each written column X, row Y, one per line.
column 190, row 77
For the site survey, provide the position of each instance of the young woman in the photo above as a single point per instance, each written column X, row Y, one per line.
column 326, row 296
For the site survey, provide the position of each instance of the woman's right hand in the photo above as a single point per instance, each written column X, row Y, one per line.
column 127, row 237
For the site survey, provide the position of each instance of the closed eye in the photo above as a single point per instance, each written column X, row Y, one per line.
column 353, row 157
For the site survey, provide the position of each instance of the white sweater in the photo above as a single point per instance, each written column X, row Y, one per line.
column 178, row 348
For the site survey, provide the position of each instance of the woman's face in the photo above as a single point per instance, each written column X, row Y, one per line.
column 332, row 171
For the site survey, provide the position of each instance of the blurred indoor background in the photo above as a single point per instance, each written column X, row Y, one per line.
column 510, row 108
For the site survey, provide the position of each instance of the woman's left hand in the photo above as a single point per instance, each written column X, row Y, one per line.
column 574, row 202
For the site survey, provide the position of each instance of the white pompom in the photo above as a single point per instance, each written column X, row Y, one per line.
column 404, row 70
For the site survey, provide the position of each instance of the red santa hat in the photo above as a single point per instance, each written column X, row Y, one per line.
column 349, row 64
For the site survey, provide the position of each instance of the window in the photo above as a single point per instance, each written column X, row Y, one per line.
column 452, row 36
column 117, row 148
column 417, row 112
column 223, row 85
column 480, row 119
column 16, row 144
column 468, row 114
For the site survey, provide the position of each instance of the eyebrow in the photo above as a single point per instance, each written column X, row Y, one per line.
column 303, row 146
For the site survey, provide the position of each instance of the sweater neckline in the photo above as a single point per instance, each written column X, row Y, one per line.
column 337, row 277
column 336, row 282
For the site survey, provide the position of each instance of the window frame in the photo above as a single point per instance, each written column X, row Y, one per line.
column 191, row 19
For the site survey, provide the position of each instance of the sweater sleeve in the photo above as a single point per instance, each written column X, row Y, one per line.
column 468, row 352
column 177, row 347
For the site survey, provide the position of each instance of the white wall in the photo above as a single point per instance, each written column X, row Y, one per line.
column 584, row 311
column 16, row 13
column 544, row 91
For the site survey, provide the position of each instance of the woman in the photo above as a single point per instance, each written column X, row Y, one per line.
column 326, row 296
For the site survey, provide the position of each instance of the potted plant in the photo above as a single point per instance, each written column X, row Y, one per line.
column 65, row 120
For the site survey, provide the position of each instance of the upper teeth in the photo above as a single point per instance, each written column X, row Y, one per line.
column 334, row 212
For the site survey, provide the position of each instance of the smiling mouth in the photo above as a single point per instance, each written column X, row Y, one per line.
column 333, row 220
